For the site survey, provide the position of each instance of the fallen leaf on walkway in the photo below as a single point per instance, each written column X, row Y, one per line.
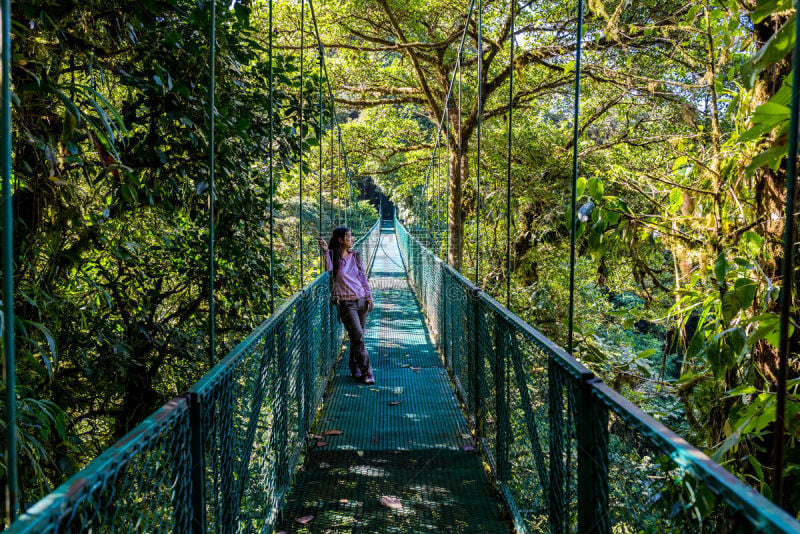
column 333, row 432
column 468, row 448
column 465, row 436
column 391, row 502
column 394, row 403
column 343, row 501
column 281, row 532
column 305, row 519
column 322, row 443
column 317, row 437
column 374, row 389
column 417, row 369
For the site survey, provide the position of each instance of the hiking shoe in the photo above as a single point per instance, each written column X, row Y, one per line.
column 369, row 379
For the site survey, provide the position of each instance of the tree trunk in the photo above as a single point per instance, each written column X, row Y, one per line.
column 459, row 172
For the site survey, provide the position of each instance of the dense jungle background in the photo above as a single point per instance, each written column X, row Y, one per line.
column 682, row 166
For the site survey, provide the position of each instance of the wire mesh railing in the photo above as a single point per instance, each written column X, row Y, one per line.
column 568, row 453
column 222, row 457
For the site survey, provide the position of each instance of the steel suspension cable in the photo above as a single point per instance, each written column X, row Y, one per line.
column 508, row 165
column 9, row 369
column 319, row 143
column 478, row 160
column 447, row 189
column 271, row 164
column 788, row 272
column 436, row 196
column 450, row 89
column 341, row 151
column 460, row 241
column 340, row 182
column 211, row 186
column 573, row 218
column 300, row 131
column 424, row 203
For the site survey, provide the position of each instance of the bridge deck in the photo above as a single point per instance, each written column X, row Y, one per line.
column 406, row 437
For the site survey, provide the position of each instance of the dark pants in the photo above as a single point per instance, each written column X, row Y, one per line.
column 353, row 314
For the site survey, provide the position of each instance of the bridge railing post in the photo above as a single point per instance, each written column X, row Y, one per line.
column 197, row 468
column 558, row 507
column 280, row 426
column 300, row 341
column 592, row 438
column 476, row 363
column 227, row 462
column 502, row 350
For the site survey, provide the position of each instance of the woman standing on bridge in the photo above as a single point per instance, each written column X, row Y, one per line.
column 350, row 290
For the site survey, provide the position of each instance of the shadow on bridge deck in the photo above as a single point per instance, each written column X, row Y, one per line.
column 405, row 437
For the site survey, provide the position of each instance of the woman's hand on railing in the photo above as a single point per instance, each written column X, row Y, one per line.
column 323, row 245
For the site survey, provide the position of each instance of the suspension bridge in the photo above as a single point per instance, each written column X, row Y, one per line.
column 477, row 422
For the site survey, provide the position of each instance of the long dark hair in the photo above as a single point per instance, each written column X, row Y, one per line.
column 335, row 246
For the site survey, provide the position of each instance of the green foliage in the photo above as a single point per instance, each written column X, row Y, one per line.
column 682, row 159
column 111, row 136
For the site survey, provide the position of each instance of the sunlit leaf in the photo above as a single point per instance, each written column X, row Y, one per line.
column 392, row 502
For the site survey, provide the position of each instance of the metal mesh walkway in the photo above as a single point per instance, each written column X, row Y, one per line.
column 404, row 440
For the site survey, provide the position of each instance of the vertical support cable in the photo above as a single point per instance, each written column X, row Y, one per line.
column 426, row 215
column 9, row 370
column 271, row 185
column 437, row 195
column 211, row 192
column 788, row 271
column 460, row 242
column 478, row 160
column 319, row 143
column 573, row 219
column 300, row 132
column 343, row 174
column 508, row 169
column 435, row 187
column 447, row 189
